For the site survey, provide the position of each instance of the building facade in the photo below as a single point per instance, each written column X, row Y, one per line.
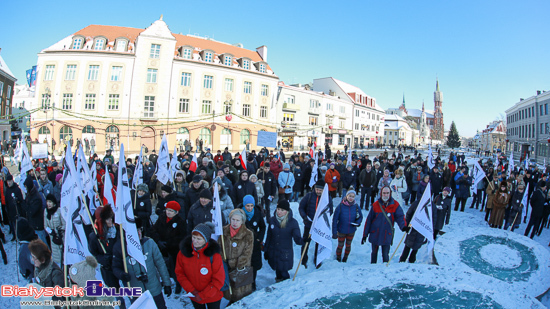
column 397, row 132
column 492, row 138
column 528, row 128
column 23, row 99
column 7, row 86
column 132, row 86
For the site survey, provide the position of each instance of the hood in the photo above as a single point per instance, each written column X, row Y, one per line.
column 186, row 247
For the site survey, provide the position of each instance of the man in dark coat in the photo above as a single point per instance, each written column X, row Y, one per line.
column 436, row 179
column 192, row 195
column 244, row 187
column 167, row 194
column 463, row 183
column 537, row 208
column 270, row 187
column 442, row 204
column 414, row 239
column 35, row 209
column 15, row 203
column 367, row 179
column 201, row 211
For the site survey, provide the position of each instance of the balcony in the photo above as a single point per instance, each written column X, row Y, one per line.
column 291, row 106
column 148, row 116
column 316, row 111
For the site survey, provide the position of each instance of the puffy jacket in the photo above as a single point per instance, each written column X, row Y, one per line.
column 172, row 232
column 243, row 188
column 463, row 186
column 196, row 272
column 377, row 227
column 349, row 178
column 192, row 195
column 226, row 206
column 308, row 206
column 416, row 179
column 278, row 243
column 332, row 176
column 346, row 218
column 199, row 214
column 286, row 179
column 269, row 182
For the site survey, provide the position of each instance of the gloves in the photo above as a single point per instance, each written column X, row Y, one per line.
column 265, row 256
column 162, row 245
column 167, row 291
column 406, row 229
column 27, row 274
column 334, row 236
column 125, row 277
column 363, row 240
column 197, row 297
column 57, row 237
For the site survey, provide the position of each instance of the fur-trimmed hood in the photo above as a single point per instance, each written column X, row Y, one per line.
column 186, row 247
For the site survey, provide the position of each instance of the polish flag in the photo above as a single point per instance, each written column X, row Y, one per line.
column 242, row 158
column 311, row 152
column 194, row 163
column 315, row 144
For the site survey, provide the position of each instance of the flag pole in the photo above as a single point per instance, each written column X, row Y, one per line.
column 135, row 190
column 301, row 258
column 395, row 251
column 490, row 183
column 66, row 283
column 91, row 220
column 123, row 251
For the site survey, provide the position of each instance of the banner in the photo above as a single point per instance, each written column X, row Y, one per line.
column 321, row 231
column 26, row 165
column 314, row 172
column 422, row 220
column 524, row 202
column 511, row 164
column 146, row 300
column 174, row 164
column 124, row 214
column 477, row 175
column 242, row 157
column 82, row 168
column 194, row 163
column 217, row 218
column 163, row 175
column 138, row 174
column 267, row 139
column 431, row 161
column 108, row 189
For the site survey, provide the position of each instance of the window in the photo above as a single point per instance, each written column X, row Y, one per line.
column 121, row 45
column 245, row 136
column 356, row 113
column 208, row 56
column 265, row 90
column 71, row 72
column 116, row 74
column 263, row 111
column 44, row 130
column 341, row 139
column 262, row 68
column 77, row 43
column 228, row 84
column 246, row 110
column 113, row 102
column 111, row 133
column 312, row 103
column 155, row 51
column 88, row 129
column 45, row 99
column 205, row 136
column 99, row 44
column 342, row 109
column 65, row 133
column 227, row 60
column 208, row 81
column 149, row 107
column 184, row 106
column 206, row 107
column 289, row 99
column 225, row 137
column 67, row 101
column 186, row 79
column 50, row 69
column 313, row 121
column 246, row 64
column 546, row 109
column 227, row 107
column 93, row 72
column 187, row 53
column 247, row 87
column 152, row 75
column 541, row 128
column 329, row 106
column 541, row 111
column 342, row 124
column 89, row 101
column 288, row 117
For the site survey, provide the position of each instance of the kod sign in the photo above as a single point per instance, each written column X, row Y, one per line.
column 95, row 288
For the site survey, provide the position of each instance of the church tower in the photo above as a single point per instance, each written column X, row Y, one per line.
column 438, row 128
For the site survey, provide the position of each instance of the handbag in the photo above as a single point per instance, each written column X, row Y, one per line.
column 241, row 277
column 334, row 184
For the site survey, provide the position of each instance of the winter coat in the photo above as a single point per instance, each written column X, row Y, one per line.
column 286, row 179
column 14, row 201
column 463, row 185
column 199, row 214
column 144, row 210
column 436, row 179
column 257, row 225
column 45, row 187
column 196, row 271
column 171, row 232
column 537, row 203
column 308, row 206
column 278, row 243
column 378, row 228
column 192, row 195
column 500, row 201
column 349, row 178
column 332, row 176
column 226, row 206
column 180, row 188
column 346, row 218
column 516, row 206
column 269, row 182
column 26, row 265
column 298, row 180
column 56, row 224
column 443, row 206
column 156, row 267
column 368, row 179
column 384, row 182
column 259, row 189
column 162, row 201
column 238, row 253
column 414, row 239
column 398, row 187
column 49, row 275
column 243, row 188
column 34, row 210
column 276, row 167
column 416, row 179
column 57, row 191
column 103, row 258
column 421, row 188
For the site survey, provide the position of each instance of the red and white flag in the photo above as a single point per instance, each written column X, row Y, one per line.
column 311, row 152
column 194, row 163
column 242, row 158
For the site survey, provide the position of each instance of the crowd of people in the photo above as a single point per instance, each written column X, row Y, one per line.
column 257, row 217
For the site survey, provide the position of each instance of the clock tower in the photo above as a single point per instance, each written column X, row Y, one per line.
column 438, row 130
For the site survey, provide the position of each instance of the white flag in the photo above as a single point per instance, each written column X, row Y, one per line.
column 17, row 152
column 431, row 161
column 93, row 174
column 174, row 163
column 163, row 175
column 526, row 161
column 348, row 162
column 144, row 301
column 75, row 240
column 108, row 189
column 138, row 174
column 124, row 214
column 314, row 172
column 26, row 165
column 524, row 202
column 422, row 220
column 477, row 175
column 510, row 164
column 321, row 231
column 217, row 214
column 84, row 172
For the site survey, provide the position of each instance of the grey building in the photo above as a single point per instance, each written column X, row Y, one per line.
column 528, row 128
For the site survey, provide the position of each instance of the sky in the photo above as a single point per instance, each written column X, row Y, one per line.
column 486, row 54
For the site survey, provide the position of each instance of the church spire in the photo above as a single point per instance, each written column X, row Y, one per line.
column 403, row 99
column 437, row 84
column 422, row 105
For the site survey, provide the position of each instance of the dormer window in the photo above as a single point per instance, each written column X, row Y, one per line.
column 207, row 57
column 262, row 68
column 187, row 53
column 246, row 64
column 121, row 45
column 227, row 60
column 78, row 42
column 99, row 44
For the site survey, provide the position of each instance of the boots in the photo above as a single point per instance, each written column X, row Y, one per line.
column 345, row 259
column 339, row 258
column 178, row 288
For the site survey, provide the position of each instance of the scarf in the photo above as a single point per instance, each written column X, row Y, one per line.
column 111, row 232
column 233, row 231
column 250, row 214
column 51, row 212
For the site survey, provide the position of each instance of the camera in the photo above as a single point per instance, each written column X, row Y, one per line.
column 143, row 278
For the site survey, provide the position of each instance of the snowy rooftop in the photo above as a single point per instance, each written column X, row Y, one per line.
column 5, row 69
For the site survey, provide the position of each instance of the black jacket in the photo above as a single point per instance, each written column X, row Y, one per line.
column 143, row 210
column 368, row 179
column 171, row 232
column 537, row 203
column 243, row 188
column 257, row 225
column 103, row 258
column 14, row 201
column 443, row 207
column 270, row 184
column 35, row 211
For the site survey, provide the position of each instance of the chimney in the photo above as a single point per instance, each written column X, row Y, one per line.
column 262, row 50
column 538, row 92
column 521, row 99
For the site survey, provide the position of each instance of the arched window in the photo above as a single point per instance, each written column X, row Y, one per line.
column 245, row 136
column 44, row 130
column 225, row 137
column 65, row 133
column 88, row 129
column 111, row 137
column 205, row 136
column 183, row 131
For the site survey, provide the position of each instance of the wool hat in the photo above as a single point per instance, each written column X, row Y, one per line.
column 283, row 204
column 166, row 189
column 24, row 230
column 173, row 205
column 143, row 187
column 9, row 177
column 107, row 212
column 51, row 197
column 29, row 184
column 248, row 199
column 447, row 189
column 206, row 194
column 286, row 165
column 219, row 181
column 332, row 164
column 205, row 230
column 54, row 164
column 197, row 178
column 253, row 176
column 59, row 176
column 83, row 271
column 542, row 184
column 320, row 184
column 237, row 212
column 351, row 191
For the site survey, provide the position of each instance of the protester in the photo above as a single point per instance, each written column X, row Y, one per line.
column 34, row 209
column 442, row 203
column 226, row 204
column 101, row 244
column 399, row 187
column 347, row 217
column 414, row 239
column 332, row 177
column 516, row 207
column 286, row 182
column 46, row 272
column 143, row 208
column 201, row 211
column 80, row 273
column 255, row 223
column 54, row 224
column 500, row 202
column 537, row 205
column 25, row 234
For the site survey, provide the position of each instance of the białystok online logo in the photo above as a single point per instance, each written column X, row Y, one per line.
column 93, row 288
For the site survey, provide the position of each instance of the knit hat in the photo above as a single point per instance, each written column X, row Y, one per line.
column 253, row 176
column 205, row 230
column 173, row 205
column 51, row 197
column 283, row 204
column 350, row 191
column 332, row 164
column 83, row 271
column 219, row 181
column 320, row 184
column 197, row 178
column 9, row 177
column 166, row 189
column 248, row 199
column 29, row 184
column 447, row 189
column 286, row 165
column 206, row 194
column 107, row 212
column 24, row 230
column 143, row 187
column 237, row 212
column 59, row 176
column 324, row 168
column 54, row 164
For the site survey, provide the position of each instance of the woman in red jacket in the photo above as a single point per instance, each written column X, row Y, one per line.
column 199, row 267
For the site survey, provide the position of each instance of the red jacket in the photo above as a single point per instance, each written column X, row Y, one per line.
column 329, row 176
column 195, row 271
column 218, row 157
column 452, row 167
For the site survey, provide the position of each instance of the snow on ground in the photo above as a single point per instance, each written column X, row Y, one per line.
column 505, row 258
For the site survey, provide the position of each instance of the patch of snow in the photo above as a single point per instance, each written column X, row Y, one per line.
column 500, row 256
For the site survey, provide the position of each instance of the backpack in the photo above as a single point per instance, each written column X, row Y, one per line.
column 225, row 286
